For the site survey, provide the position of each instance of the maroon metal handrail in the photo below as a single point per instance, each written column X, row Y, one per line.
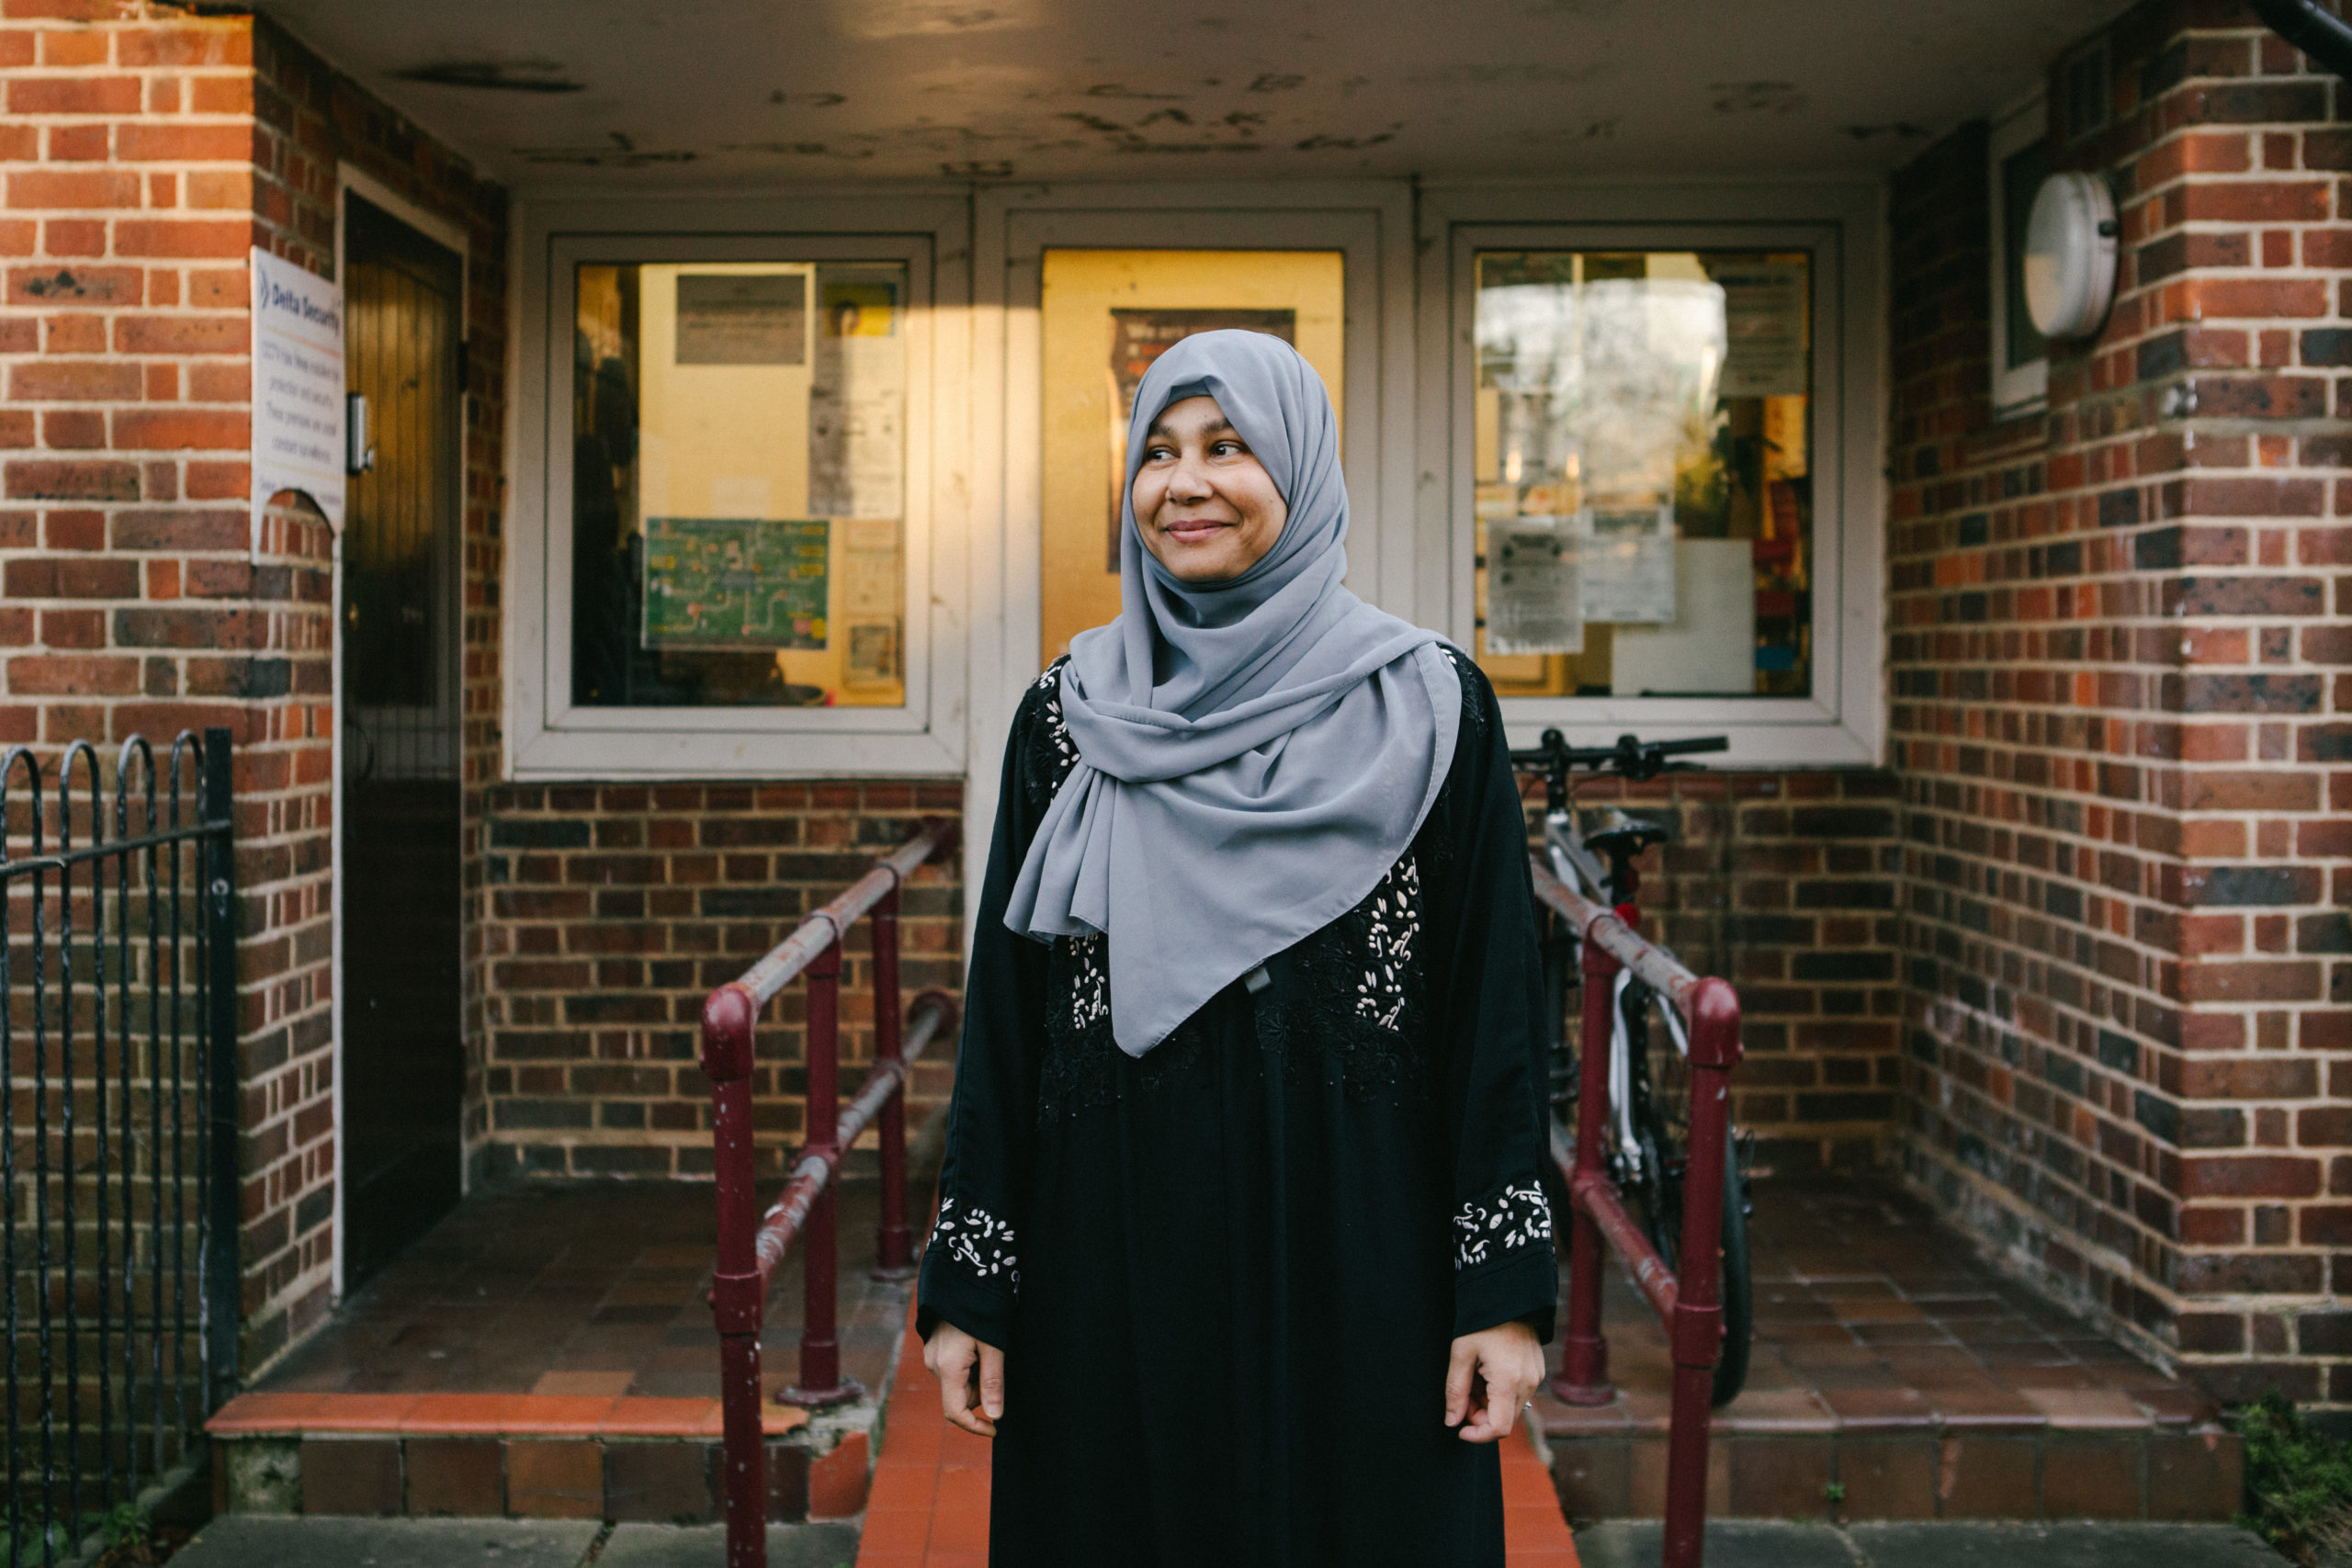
column 750, row 1250
column 1687, row 1303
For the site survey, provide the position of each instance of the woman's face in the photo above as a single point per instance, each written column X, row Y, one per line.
column 1205, row 506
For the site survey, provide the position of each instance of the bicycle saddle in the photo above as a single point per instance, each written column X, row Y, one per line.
column 1629, row 836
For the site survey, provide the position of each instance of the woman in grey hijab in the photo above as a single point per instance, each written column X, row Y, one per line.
column 1243, row 1254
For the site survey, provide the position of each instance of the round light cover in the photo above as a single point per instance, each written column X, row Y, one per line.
column 2070, row 255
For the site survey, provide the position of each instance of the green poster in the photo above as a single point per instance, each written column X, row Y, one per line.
column 735, row 582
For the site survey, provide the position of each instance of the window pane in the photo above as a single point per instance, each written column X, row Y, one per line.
column 739, row 485
column 1643, row 473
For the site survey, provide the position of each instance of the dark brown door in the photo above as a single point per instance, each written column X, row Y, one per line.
column 404, row 1046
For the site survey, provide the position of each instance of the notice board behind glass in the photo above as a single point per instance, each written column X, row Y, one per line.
column 739, row 484
column 1105, row 315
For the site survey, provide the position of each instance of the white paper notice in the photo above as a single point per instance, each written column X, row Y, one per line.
column 1709, row 649
column 1764, row 325
column 1627, row 562
column 298, row 387
column 857, row 428
column 1532, row 595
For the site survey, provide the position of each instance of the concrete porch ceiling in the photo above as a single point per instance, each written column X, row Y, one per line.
column 626, row 93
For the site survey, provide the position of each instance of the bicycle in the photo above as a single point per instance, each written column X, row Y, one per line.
column 1650, row 1101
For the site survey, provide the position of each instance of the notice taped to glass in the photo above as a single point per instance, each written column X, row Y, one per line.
column 873, row 653
column 1764, row 327
column 1627, row 561
column 1533, row 601
column 858, row 399
column 732, row 318
column 736, row 582
column 1139, row 337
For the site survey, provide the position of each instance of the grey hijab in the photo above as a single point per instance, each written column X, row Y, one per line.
column 1253, row 755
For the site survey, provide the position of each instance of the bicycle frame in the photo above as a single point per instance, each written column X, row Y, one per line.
column 1577, row 867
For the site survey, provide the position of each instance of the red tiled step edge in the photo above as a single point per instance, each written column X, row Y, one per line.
column 929, row 1503
column 477, row 1415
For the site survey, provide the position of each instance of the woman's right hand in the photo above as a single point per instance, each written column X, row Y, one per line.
column 965, row 1367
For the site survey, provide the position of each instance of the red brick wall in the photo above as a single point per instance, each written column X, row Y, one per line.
column 1784, row 884
column 141, row 163
column 2118, row 640
column 131, row 602
column 615, row 908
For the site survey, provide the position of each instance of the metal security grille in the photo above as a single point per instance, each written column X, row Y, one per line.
column 119, row 1120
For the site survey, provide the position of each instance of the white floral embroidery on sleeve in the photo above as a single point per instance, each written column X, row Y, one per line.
column 1512, row 1216
column 977, row 1240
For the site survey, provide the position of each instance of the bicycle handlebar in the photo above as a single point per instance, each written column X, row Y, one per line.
column 1630, row 758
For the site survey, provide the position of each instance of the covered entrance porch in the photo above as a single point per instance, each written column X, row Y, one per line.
column 2027, row 854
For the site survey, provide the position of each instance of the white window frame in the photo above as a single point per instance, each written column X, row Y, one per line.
column 2018, row 389
column 1843, row 722
column 546, row 737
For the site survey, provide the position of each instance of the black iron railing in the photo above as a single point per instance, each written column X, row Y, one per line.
column 118, row 1120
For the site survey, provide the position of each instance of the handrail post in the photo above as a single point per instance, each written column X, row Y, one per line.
column 736, row 1294
column 1696, row 1333
column 820, row 1383
column 890, row 1246
column 1584, row 1354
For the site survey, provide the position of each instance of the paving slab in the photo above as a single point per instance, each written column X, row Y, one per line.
column 2077, row 1545
column 828, row 1545
column 1731, row 1543
column 257, row 1540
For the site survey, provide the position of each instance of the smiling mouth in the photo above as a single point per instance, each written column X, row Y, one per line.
column 1194, row 529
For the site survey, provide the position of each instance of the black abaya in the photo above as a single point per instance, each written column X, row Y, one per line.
column 1227, row 1275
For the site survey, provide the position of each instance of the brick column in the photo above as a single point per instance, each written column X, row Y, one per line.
column 2118, row 640
column 141, row 163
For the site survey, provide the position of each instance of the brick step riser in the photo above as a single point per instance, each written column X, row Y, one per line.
column 647, row 1480
column 2187, row 1476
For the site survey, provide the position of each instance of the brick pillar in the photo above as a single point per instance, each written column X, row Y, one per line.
column 2118, row 640
column 142, row 156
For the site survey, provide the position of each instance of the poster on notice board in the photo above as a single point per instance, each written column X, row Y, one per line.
column 858, row 399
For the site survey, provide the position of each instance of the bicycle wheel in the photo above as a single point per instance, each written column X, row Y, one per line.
column 1660, row 1100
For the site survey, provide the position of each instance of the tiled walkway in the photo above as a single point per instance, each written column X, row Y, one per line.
column 1895, row 1377
column 928, row 1506
column 548, row 1352
column 581, row 1292
column 1895, row 1370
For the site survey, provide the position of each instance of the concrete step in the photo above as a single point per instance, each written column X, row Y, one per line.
column 2181, row 1475
column 1896, row 1374
column 525, row 1456
column 253, row 1540
column 1757, row 1543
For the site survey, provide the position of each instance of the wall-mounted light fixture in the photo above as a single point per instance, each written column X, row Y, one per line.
column 2070, row 255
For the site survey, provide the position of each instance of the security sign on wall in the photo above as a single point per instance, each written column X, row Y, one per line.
column 298, row 395
column 2070, row 255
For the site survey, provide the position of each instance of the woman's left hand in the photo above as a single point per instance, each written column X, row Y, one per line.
column 1493, row 1373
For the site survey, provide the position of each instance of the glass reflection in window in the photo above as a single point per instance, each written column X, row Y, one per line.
column 1643, row 481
